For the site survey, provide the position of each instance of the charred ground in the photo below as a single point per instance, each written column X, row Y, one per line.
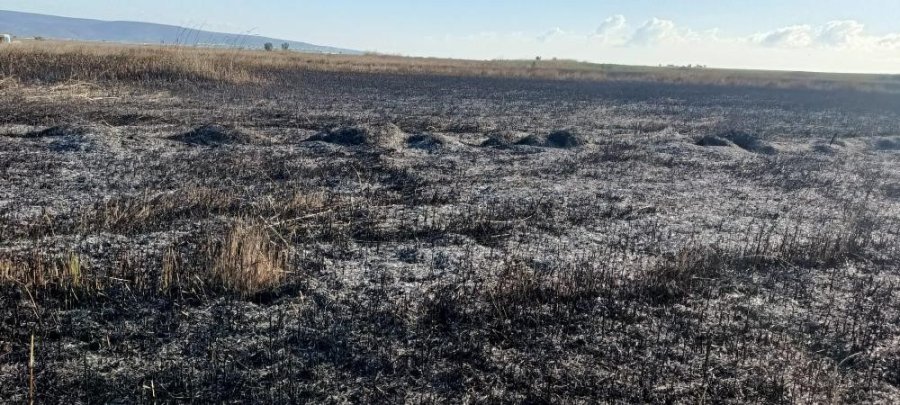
column 335, row 236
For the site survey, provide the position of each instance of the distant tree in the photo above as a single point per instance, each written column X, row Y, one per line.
column 269, row 47
column 285, row 46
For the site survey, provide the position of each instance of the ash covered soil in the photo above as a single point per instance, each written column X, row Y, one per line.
column 365, row 238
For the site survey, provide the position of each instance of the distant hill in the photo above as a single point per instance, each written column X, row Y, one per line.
column 27, row 25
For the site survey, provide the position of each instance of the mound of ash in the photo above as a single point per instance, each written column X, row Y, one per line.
column 216, row 135
column 502, row 139
column 562, row 139
column 712, row 140
column 741, row 139
column 59, row 131
column 388, row 136
column 427, row 142
column 64, row 138
column 823, row 148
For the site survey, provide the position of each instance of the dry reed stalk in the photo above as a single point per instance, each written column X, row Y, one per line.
column 31, row 385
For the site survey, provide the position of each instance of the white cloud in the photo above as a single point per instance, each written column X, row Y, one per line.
column 612, row 26
column 796, row 36
column 841, row 33
column 656, row 31
column 832, row 35
column 549, row 35
column 835, row 46
column 612, row 31
column 891, row 41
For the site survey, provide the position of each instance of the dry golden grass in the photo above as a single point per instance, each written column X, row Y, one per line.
column 245, row 258
column 54, row 62
column 244, row 261
column 139, row 212
column 39, row 271
column 247, row 261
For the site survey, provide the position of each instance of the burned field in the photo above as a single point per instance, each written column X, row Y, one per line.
column 332, row 236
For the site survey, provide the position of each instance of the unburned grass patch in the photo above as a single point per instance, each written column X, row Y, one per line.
column 147, row 212
column 244, row 259
column 41, row 270
column 247, row 260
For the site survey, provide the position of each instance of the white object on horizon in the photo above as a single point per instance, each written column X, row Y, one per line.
column 5, row 39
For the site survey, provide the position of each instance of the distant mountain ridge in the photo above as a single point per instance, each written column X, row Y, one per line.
column 29, row 25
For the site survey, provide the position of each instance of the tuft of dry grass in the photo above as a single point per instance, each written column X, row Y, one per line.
column 246, row 260
column 133, row 214
column 44, row 271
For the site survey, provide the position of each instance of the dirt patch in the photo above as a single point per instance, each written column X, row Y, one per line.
column 387, row 136
column 886, row 144
column 216, row 135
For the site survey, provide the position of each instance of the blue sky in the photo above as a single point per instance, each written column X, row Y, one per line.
column 829, row 35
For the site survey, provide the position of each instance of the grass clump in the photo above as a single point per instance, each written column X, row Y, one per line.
column 246, row 260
